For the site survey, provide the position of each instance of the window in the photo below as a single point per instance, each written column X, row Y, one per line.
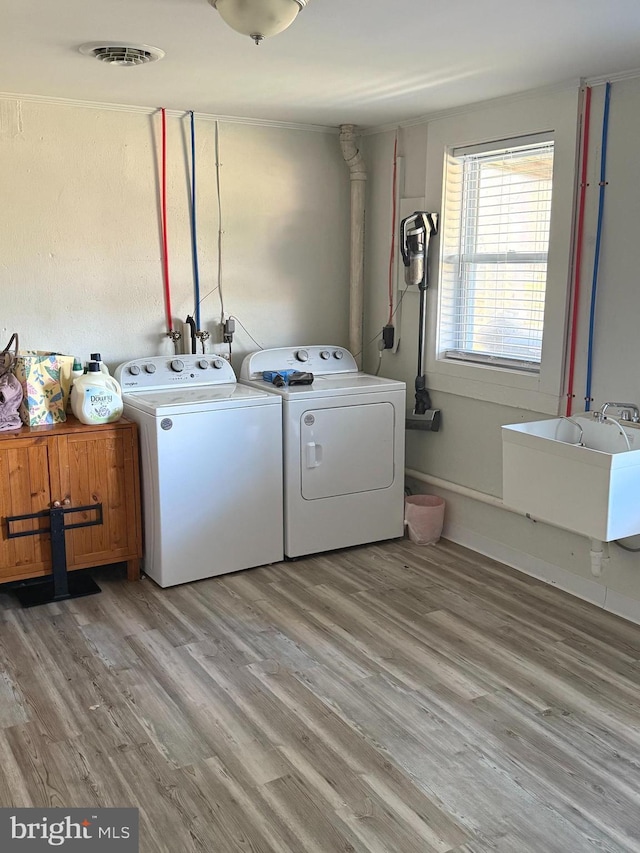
column 460, row 360
column 494, row 253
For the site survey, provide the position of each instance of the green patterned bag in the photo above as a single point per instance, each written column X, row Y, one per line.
column 46, row 379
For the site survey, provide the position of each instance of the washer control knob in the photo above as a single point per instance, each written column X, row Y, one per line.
column 177, row 365
column 218, row 363
column 134, row 369
column 302, row 355
column 203, row 364
column 150, row 368
column 338, row 353
column 325, row 354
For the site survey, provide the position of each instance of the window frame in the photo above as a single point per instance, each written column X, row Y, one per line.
column 555, row 113
column 461, row 162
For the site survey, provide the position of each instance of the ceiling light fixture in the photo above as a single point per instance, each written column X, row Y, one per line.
column 259, row 18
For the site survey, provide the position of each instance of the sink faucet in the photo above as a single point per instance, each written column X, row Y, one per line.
column 628, row 412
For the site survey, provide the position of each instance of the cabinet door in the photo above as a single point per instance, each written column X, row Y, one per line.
column 24, row 489
column 100, row 467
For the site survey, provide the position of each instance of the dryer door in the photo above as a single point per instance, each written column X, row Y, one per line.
column 346, row 450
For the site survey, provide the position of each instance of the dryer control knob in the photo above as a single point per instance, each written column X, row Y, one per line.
column 177, row 365
column 325, row 354
column 338, row 353
column 150, row 368
column 134, row 369
column 203, row 364
column 218, row 363
column 302, row 355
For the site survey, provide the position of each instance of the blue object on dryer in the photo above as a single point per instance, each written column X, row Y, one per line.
column 280, row 378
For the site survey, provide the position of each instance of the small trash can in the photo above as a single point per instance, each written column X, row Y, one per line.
column 424, row 517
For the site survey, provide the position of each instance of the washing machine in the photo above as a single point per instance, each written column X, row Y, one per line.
column 211, row 460
column 343, row 448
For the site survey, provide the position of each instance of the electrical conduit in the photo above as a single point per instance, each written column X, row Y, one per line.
column 358, row 177
column 220, row 231
column 392, row 250
column 165, row 244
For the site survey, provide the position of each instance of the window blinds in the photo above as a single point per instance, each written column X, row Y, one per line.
column 496, row 241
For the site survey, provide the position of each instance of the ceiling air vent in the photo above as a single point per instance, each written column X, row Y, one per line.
column 122, row 53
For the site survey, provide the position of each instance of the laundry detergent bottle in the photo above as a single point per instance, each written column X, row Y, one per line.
column 96, row 397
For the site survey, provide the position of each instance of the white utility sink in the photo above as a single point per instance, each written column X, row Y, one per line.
column 583, row 478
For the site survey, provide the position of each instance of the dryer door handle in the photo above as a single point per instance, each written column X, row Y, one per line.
column 314, row 454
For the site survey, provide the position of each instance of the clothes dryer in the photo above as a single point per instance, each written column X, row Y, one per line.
column 343, row 448
column 211, row 458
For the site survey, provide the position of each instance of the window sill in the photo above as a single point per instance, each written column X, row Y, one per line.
column 505, row 387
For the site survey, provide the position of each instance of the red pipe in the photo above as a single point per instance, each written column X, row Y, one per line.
column 579, row 242
column 392, row 253
column 165, row 245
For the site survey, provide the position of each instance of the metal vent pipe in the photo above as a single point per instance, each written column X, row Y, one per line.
column 358, row 176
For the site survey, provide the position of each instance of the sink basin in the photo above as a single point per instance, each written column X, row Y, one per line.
column 583, row 478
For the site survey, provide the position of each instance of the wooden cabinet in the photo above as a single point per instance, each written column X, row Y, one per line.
column 77, row 465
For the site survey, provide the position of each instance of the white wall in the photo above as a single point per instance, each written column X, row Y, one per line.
column 80, row 259
column 617, row 337
column 80, row 270
column 468, row 450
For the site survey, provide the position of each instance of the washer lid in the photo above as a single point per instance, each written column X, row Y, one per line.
column 180, row 401
column 333, row 385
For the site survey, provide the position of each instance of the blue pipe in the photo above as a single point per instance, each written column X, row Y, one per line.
column 194, row 230
column 596, row 258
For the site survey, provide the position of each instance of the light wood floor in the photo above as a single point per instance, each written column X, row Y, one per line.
column 386, row 698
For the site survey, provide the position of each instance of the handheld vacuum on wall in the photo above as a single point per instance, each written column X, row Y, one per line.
column 415, row 233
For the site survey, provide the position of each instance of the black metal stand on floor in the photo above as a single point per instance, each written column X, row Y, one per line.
column 62, row 584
